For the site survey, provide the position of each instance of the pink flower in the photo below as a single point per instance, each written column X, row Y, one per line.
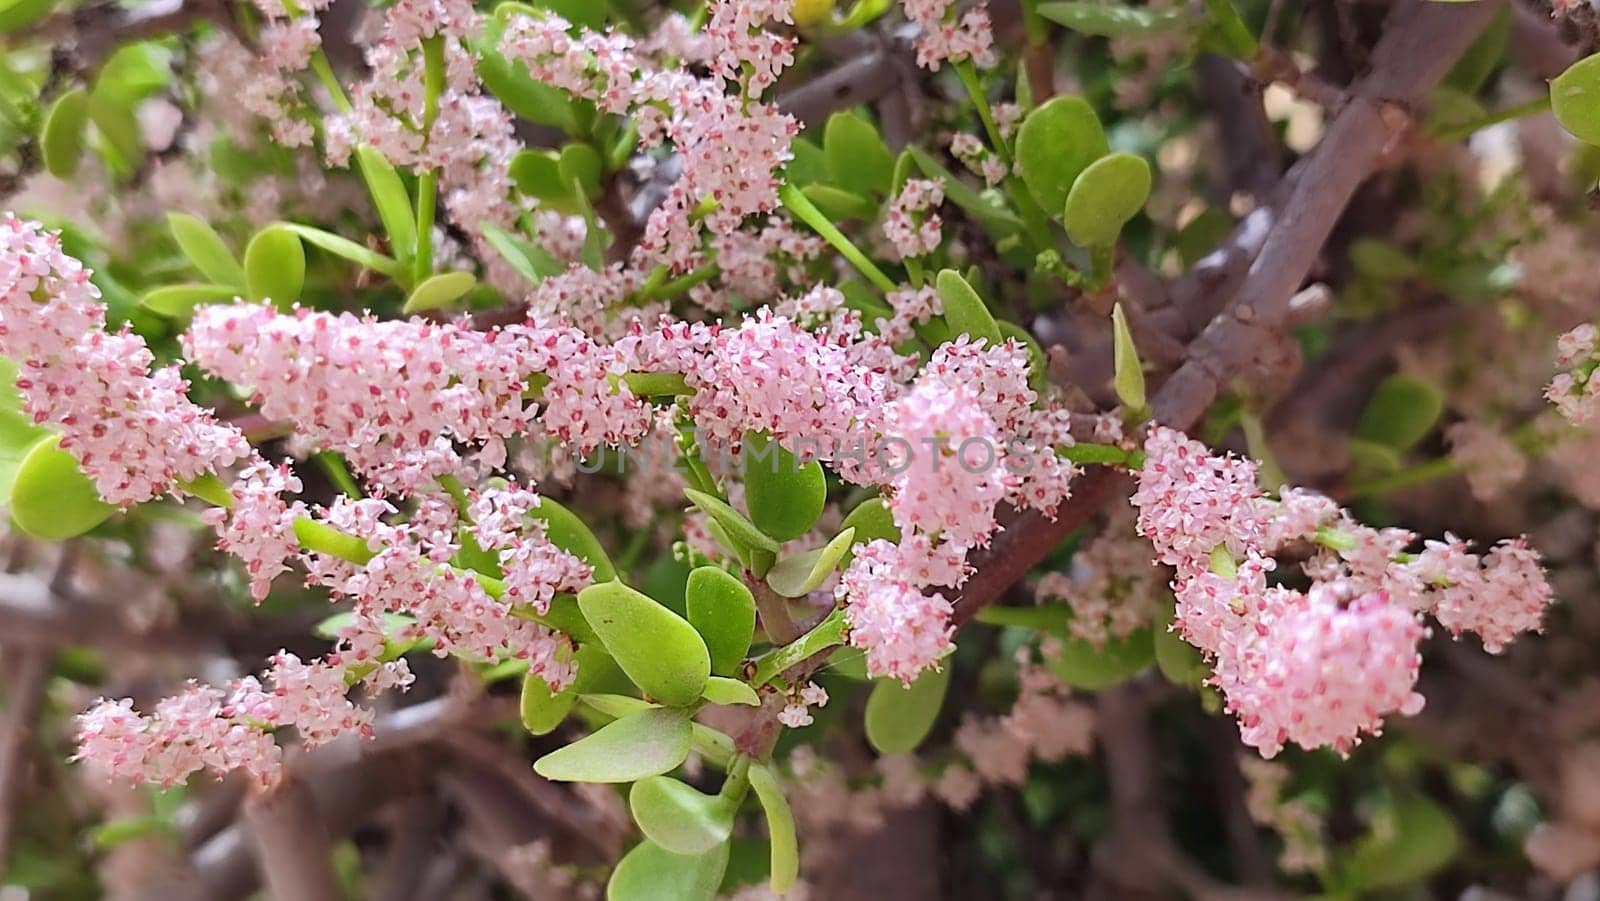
column 1191, row 501
column 134, row 431
column 259, row 527
column 1321, row 676
column 902, row 630
column 946, row 463
column 911, row 234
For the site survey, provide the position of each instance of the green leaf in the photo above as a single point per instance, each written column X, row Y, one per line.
column 538, row 174
column 838, row 204
column 642, row 744
column 986, row 208
column 1226, row 33
column 275, row 266
column 810, row 164
column 657, row 648
column 731, row 520
column 531, row 261
column 723, row 611
column 617, row 706
column 581, row 163
column 964, row 310
column 394, row 204
column 1056, row 142
column 121, row 144
column 51, row 499
column 1105, row 197
column 1575, row 97
column 858, row 159
column 871, row 521
column 61, row 139
column 1115, row 21
column 1092, row 667
column 18, row 433
column 565, row 530
column 720, row 690
column 1419, row 841
column 206, row 250
column 679, row 818
column 1402, row 412
column 650, row 872
column 116, row 832
column 178, row 301
column 346, row 248
column 801, row 574
column 439, row 291
column 1129, row 370
column 900, row 717
column 784, row 496
column 15, row 14
column 509, row 81
column 780, row 828
column 542, row 709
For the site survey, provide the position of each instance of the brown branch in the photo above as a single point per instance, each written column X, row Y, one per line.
column 293, row 850
column 1419, row 46
column 24, row 699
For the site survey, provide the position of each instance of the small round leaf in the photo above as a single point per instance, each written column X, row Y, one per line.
column 1055, row 143
column 650, row 872
column 643, row 744
column 723, row 611
column 784, row 496
column 61, row 139
column 51, row 499
column 678, row 817
column 275, row 266
column 1105, row 196
column 657, row 648
column 439, row 291
column 900, row 717
column 1575, row 97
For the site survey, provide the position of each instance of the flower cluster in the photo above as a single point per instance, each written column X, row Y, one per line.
column 1322, row 666
column 911, row 234
column 942, row 39
column 222, row 731
column 134, row 431
column 1577, row 358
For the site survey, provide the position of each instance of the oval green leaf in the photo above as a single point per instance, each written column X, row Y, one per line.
column 275, row 266
column 1056, row 142
column 542, row 709
column 801, row 574
column 1403, row 411
column 650, row 872
column 1105, row 20
column 1575, row 97
column 1104, row 197
column 1128, row 368
column 678, row 817
column 900, row 717
column 722, row 609
column 657, row 648
column 566, row 531
column 51, row 499
column 732, row 521
column 780, row 828
column 643, row 744
column 858, row 159
column 964, row 310
column 1091, row 667
column 783, row 495
column 206, row 250
column 61, row 138
column 439, row 291
column 730, row 691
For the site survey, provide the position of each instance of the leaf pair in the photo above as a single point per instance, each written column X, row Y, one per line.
column 274, row 268
column 1067, row 165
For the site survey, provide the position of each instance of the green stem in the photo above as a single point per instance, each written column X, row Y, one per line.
column 433, row 73
column 803, row 209
column 1467, row 129
column 969, row 80
column 671, row 289
column 1442, row 468
column 338, row 473
column 826, row 634
column 1107, row 454
column 324, row 72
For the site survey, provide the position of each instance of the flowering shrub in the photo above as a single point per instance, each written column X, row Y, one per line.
column 610, row 350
